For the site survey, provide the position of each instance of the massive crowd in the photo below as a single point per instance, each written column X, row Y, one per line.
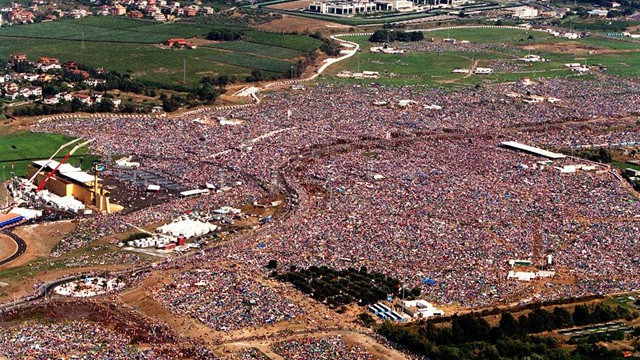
column 226, row 299
column 413, row 192
column 77, row 340
column 320, row 349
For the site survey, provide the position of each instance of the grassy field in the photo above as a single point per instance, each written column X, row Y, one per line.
column 28, row 145
column 504, row 46
column 116, row 29
column 127, row 45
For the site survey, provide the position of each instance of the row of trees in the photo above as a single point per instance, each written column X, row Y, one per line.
column 75, row 105
column 225, row 35
column 471, row 337
column 389, row 36
column 602, row 155
column 341, row 287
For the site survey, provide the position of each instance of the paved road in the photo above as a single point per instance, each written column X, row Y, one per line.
column 22, row 247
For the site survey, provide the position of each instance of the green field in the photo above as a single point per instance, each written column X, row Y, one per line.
column 126, row 45
column 20, row 147
column 113, row 29
column 504, row 45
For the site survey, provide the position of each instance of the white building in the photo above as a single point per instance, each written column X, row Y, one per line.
column 525, row 12
column 348, row 8
column 424, row 309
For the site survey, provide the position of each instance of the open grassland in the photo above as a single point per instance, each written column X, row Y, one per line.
column 21, row 147
column 500, row 49
column 126, row 45
column 114, row 29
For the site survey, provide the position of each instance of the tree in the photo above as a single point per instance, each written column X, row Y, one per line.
column 106, row 105
column 561, row 318
column 76, row 105
column 272, row 264
column 508, row 324
column 207, row 93
column 417, row 36
column 581, row 315
column 256, row 75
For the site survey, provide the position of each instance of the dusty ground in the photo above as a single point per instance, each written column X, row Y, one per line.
column 350, row 337
column 26, row 286
column 7, row 247
column 290, row 23
column 292, row 5
column 40, row 239
column 571, row 48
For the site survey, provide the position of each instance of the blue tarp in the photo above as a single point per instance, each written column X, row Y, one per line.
column 428, row 281
column 10, row 221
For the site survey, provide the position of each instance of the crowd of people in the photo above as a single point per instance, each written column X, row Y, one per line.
column 226, row 299
column 415, row 192
column 82, row 340
column 320, row 349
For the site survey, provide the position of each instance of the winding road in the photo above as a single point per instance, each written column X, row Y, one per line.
column 22, row 247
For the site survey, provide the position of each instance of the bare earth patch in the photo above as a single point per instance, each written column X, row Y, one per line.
column 571, row 48
column 7, row 247
column 40, row 240
column 290, row 23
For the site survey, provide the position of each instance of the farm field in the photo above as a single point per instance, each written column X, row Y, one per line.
column 132, row 46
column 28, row 145
column 493, row 48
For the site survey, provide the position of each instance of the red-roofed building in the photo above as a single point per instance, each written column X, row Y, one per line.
column 180, row 43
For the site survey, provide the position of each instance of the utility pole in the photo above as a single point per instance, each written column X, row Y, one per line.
column 82, row 40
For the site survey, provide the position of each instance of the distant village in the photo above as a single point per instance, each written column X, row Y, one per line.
column 23, row 80
column 158, row 10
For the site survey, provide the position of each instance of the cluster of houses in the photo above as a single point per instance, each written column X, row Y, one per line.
column 21, row 13
column 21, row 85
column 159, row 10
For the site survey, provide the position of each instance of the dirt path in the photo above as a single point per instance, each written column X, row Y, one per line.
column 365, row 342
column 141, row 300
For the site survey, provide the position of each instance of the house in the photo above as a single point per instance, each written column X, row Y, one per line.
column 525, row 12
column 71, row 65
column 135, row 14
column 51, row 100
column 95, row 82
column 78, row 13
column 16, row 58
column 64, row 96
column 180, row 43
column 46, row 64
column 11, row 95
column 35, row 90
column 159, row 17
column 10, row 86
column 189, row 12
column 118, row 10
column 598, row 12
column 85, row 99
column 29, row 77
column 21, row 17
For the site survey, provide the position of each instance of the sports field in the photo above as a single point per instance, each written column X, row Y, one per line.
column 127, row 45
column 21, row 147
column 426, row 64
